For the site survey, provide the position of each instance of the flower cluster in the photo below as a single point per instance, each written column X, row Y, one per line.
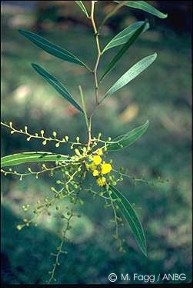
column 99, row 168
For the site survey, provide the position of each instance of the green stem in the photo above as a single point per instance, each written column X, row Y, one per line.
column 96, row 83
column 98, row 52
column 59, row 250
column 89, row 132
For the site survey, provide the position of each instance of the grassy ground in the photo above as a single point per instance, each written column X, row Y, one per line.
column 161, row 94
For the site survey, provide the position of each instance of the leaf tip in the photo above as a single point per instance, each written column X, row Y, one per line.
column 164, row 15
column 35, row 66
column 144, row 251
column 22, row 32
column 155, row 55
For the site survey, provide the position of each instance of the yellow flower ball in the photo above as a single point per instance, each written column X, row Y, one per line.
column 97, row 159
column 95, row 173
column 91, row 166
column 106, row 168
column 99, row 152
column 101, row 181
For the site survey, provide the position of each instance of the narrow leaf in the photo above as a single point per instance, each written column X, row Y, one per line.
column 125, row 35
column 82, row 7
column 57, row 85
column 52, row 49
column 83, row 106
column 131, row 217
column 28, row 157
column 133, row 72
column 132, row 37
column 129, row 138
column 142, row 5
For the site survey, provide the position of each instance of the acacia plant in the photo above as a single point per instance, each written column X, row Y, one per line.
column 89, row 158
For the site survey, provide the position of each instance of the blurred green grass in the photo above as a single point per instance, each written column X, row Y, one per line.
column 161, row 94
